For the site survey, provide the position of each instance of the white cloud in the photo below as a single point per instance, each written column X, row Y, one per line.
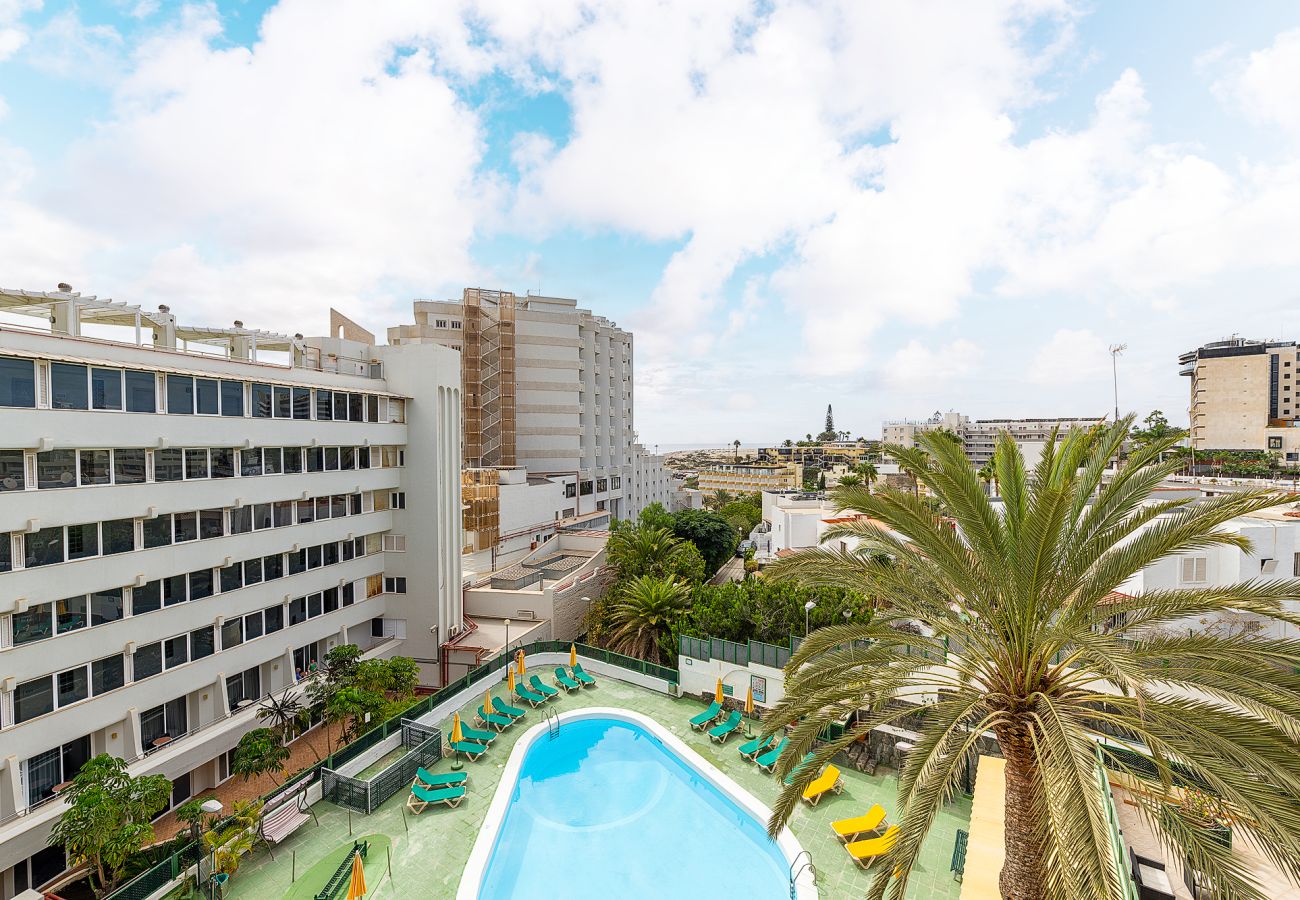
column 917, row 366
column 1072, row 356
column 1266, row 84
column 13, row 35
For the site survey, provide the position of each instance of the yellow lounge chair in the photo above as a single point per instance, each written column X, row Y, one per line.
column 829, row 780
column 866, row 852
column 848, row 829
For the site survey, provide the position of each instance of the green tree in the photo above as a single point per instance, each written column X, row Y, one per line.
column 643, row 616
column 718, row 499
column 108, row 818
column 260, row 752
column 655, row 516
column 735, row 450
column 711, row 534
column 867, row 472
column 850, row 480
column 744, row 515
column 235, row 839
column 1045, row 668
column 1156, row 428
column 828, row 433
column 634, row 552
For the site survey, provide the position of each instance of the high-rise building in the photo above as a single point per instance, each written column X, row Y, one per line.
column 189, row 521
column 979, row 436
column 1245, row 396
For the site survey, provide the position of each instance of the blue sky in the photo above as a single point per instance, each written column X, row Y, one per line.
column 894, row 209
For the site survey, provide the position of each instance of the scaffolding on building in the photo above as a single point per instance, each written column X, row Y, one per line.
column 488, row 374
column 480, row 497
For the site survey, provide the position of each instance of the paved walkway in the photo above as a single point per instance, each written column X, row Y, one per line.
column 429, row 851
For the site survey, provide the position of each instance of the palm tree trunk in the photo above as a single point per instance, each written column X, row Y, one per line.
column 1022, row 872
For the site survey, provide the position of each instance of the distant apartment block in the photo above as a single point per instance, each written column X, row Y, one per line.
column 824, row 455
column 746, row 479
column 1244, row 396
column 979, row 436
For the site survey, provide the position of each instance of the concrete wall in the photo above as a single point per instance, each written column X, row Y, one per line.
column 699, row 676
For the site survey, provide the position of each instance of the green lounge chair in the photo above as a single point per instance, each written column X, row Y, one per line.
column 545, row 690
column 563, row 680
column 581, row 674
column 529, row 697
column 794, row 773
column 472, row 749
column 473, row 734
column 723, row 731
column 767, row 761
column 704, row 719
column 446, row 779
column 499, row 722
column 751, row 749
column 420, row 797
column 505, row 709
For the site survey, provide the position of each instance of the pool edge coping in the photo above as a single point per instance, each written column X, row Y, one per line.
column 471, row 879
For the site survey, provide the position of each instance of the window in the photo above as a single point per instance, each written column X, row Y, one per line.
column 331, row 459
column 176, row 651
column 306, row 511
column 338, row 506
column 272, row 567
column 173, row 589
column 200, row 584
column 17, row 382
column 615, row 482
column 302, row 403
column 6, row 553
column 44, row 547
column 250, row 462
column 282, row 513
column 106, row 606
column 1295, row 566
column 363, row 457
column 196, row 463
column 168, row 720
column 297, row 610
column 330, row 599
column 72, row 685
column 202, row 642
column 283, row 403
column 185, row 527
column 232, row 577
column 297, row 562
column 262, row 516
column 223, row 462
column 372, row 408
column 106, row 388
column 33, row 698
column 602, row 485
column 570, row 490
column 274, row 618
column 158, row 531
column 1193, row 568
column 118, row 535
column 107, row 674
column 313, row 557
column 83, row 540
column 313, row 605
column 128, row 466
column 232, row 633
column 324, row 405
column 13, row 476
column 169, row 464
column 146, row 598
column 140, row 392
column 180, row 395
column 253, row 625
column 70, row 614
column 348, row 594
column 347, row 458
column 398, row 500
column 33, row 624
column 241, row 520
column 68, row 387
column 357, row 407
column 354, row 505
column 272, row 461
column 292, row 460
column 340, row 406
column 56, row 469
column 330, row 553
column 232, row 398
column 261, row 394
column 395, row 585
column 244, row 687
column 315, row 459
column 252, row 571
column 147, row 661
column 210, row 524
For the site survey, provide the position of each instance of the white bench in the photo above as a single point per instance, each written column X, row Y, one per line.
column 284, row 820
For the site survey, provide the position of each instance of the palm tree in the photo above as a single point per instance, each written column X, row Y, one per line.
column 735, row 453
column 644, row 612
column 643, row 551
column 989, row 476
column 850, row 480
column 1046, row 669
column 868, row 473
column 718, row 499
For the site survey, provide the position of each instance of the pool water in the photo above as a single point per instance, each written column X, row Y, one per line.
column 604, row 810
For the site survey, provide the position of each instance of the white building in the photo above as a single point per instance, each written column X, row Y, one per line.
column 183, row 533
column 979, row 436
column 652, row 482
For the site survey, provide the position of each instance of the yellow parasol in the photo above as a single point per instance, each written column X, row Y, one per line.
column 487, row 703
column 456, row 735
column 523, row 669
column 357, row 887
column 573, row 655
column 510, row 679
column 749, row 701
column 717, row 695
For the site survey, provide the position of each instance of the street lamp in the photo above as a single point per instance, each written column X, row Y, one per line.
column 807, row 608
column 507, row 650
column 1115, row 351
column 212, row 807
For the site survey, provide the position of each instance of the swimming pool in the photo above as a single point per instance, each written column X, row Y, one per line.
column 616, row 806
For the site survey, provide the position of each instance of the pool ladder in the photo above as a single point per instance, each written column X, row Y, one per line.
column 797, row 868
column 552, row 723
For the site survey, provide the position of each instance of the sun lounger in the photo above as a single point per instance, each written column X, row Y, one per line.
column 848, row 830
column 751, row 749
column 767, row 761
column 866, row 852
column 530, row 697
column 723, row 731
column 545, row 690
column 473, row 734
column 581, row 674
column 829, row 780
column 563, row 680
column 472, row 749
column 496, row 720
column 420, row 797
column 794, row 773
column 505, row 709
column 446, row 779
column 706, row 718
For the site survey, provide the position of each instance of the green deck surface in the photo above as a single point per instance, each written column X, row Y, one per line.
column 428, row 859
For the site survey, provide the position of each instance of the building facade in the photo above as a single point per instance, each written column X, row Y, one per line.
column 1244, row 396
column 184, row 533
column 748, row 479
column 979, row 436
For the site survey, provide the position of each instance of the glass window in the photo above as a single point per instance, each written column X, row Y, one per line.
column 363, row 457
column 241, row 520
column 338, row 506
column 13, row 476
column 313, row 606
column 372, row 408
column 313, row 557
column 146, row 598
column 297, row 610
column 146, row 662
column 173, row 590
column 253, row 625
column 68, row 388
column 185, row 526
column 330, row 553
column 158, row 531
column 119, row 536
column 33, row 698
column 250, row 462
column 210, row 524
column 17, row 382
column 354, row 504
column 196, row 463
column 83, row 540
column 357, row 407
column 206, row 396
column 176, row 652
column 232, row 398
column 297, row 562
column 232, row 577
column 223, row 462
column 324, row 405
column 107, row 674
column 153, row 725
column 331, row 599
column 33, row 624
column 331, row 459
column 6, row 557
column 168, row 464
column 306, row 511
column 200, row 584
column 106, row 388
column 252, row 571
column 273, row 566
column 73, row 685
column 283, row 512
column 315, row 459
column 348, row 594
column 261, row 394
column 202, row 642
column 322, row 507
column 128, row 465
column 274, row 617
column 292, row 460
column 347, row 551
column 95, row 466
column 140, row 392
column 56, row 469
column 232, row 633
column 360, row 545
column 70, row 614
column 180, row 395
column 44, row 547
column 272, row 463
column 302, row 403
column 340, row 406
column 347, row 458
column 261, row 515
column 283, row 403
column 106, row 606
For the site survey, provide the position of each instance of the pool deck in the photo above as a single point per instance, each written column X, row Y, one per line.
column 427, row 859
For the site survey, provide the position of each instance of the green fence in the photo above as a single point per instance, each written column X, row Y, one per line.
column 773, row 655
column 158, row 875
